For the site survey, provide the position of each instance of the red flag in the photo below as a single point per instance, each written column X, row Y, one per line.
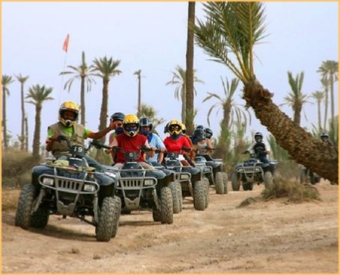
column 65, row 46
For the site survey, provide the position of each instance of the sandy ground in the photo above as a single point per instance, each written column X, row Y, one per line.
column 263, row 237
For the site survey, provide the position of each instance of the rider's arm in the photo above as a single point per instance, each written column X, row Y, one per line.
column 51, row 137
column 101, row 133
column 150, row 153
column 209, row 146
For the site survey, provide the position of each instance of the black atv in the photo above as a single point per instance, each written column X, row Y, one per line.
column 68, row 186
column 253, row 171
column 191, row 180
column 216, row 176
column 139, row 189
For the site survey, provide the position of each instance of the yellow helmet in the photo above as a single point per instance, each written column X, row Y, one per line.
column 131, row 125
column 175, row 127
column 69, row 106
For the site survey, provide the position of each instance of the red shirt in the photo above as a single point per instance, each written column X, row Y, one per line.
column 175, row 145
column 130, row 144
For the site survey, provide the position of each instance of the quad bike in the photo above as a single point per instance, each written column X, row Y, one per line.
column 191, row 180
column 139, row 189
column 216, row 177
column 307, row 176
column 253, row 171
column 68, row 186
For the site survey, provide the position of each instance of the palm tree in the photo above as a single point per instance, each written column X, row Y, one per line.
column 296, row 98
column 5, row 82
column 231, row 112
column 230, row 108
column 319, row 96
column 329, row 71
column 105, row 68
column 179, row 79
column 22, row 80
column 189, row 78
column 37, row 95
column 235, row 28
column 138, row 73
column 84, row 73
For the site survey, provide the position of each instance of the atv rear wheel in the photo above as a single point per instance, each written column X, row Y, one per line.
column 25, row 204
column 235, row 181
column 175, row 197
column 225, row 182
column 199, row 195
column 166, row 206
column 107, row 219
column 268, row 179
column 247, row 186
column 219, row 183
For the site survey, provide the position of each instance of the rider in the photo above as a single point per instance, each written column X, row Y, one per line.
column 132, row 141
column 177, row 142
column 201, row 145
column 67, row 126
column 116, row 121
column 325, row 138
column 154, row 141
column 259, row 148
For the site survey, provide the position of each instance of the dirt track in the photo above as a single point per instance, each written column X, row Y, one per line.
column 264, row 237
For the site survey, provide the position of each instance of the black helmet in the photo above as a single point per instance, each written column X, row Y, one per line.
column 199, row 127
column 324, row 135
column 117, row 116
column 166, row 128
column 258, row 137
column 199, row 134
column 208, row 133
column 145, row 122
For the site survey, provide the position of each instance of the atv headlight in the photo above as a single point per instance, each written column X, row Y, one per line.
column 112, row 175
column 240, row 170
column 184, row 177
column 89, row 187
column 148, row 182
column 48, row 181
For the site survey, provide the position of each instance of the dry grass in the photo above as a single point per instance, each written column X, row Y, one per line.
column 293, row 190
column 10, row 199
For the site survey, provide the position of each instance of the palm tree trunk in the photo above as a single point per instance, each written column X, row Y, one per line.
column 305, row 149
column 82, row 100
column 189, row 119
column 319, row 115
column 22, row 139
column 139, row 94
column 26, row 134
column 326, row 110
column 184, row 98
column 4, row 118
column 103, row 116
column 36, row 139
column 331, row 83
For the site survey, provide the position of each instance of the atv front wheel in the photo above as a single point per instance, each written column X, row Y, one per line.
column 25, row 204
column 39, row 218
column 107, row 218
column 166, row 206
column 117, row 210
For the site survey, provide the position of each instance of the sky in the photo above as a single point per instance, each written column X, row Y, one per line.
column 151, row 37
